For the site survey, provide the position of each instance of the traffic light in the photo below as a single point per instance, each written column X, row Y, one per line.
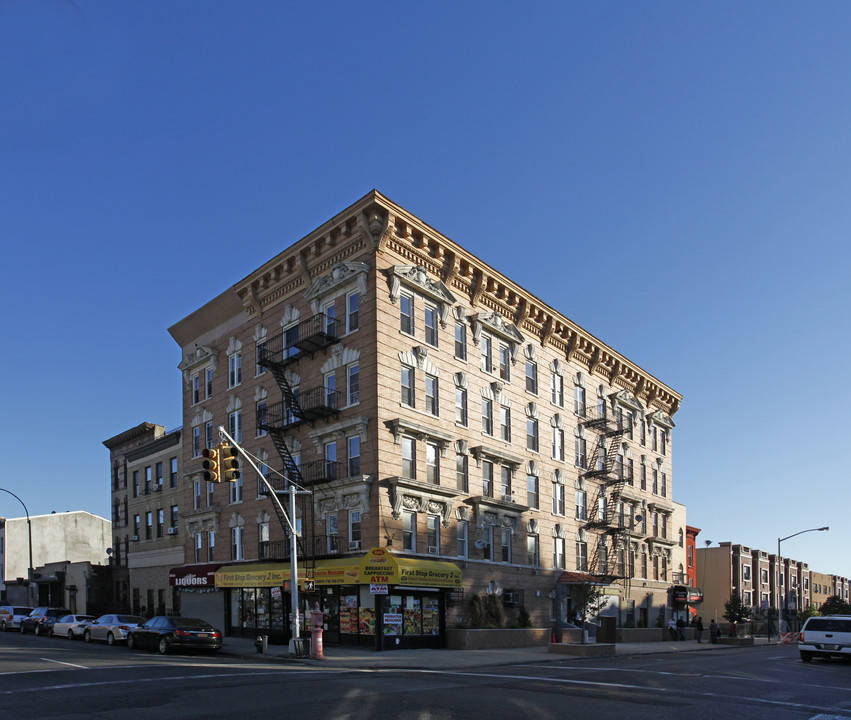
column 210, row 464
column 229, row 464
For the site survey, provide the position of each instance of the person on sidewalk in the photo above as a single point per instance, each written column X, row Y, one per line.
column 698, row 628
column 681, row 628
column 672, row 628
column 713, row 632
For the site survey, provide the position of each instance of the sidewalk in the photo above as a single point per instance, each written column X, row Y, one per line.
column 345, row 657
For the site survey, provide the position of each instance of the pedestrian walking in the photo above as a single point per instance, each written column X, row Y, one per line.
column 681, row 628
column 672, row 628
column 698, row 628
column 713, row 632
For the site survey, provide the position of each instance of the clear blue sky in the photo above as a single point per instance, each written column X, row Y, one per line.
column 684, row 168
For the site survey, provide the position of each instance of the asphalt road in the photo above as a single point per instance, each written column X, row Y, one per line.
column 52, row 678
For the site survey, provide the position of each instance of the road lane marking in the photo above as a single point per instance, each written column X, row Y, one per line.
column 59, row 662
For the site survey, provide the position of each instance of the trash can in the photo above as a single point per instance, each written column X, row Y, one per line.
column 606, row 629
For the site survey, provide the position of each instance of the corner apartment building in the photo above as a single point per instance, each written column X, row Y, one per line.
column 147, row 491
column 457, row 436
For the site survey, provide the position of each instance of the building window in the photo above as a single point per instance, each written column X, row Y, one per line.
column 664, row 486
column 235, row 487
column 332, row 531
column 557, row 389
column 558, row 553
column 407, row 386
column 136, row 526
column 160, row 522
column 196, row 495
column 431, row 325
column 237, row 550
column 433, row 534
column 558, row 444
column 461, row 340
column 558, row 499
column 504, row 363
column 149, row 525
column 532, row 376
column 172, row 478
column 353, row 454
column 208, row 435
column 330, row 384
column 579, row 451
column 208, row 382
column 581, row 505
column 354, row 529
column 136, row 489
column 259, row 353
column 505, row 482
column 175, row 515
column 579, row 400
column 198, row 547
column 582, row 556
column 196, row 441
column 461, row 535
column 487, row 349
column 663, row 439
column 263, row 541
column 487, row 550
column 353, row 383
column 235, row 425
column 532, row 491
column 487, row 416
column 147, row 480
column 643, row 474
column 505, row 545
column 654, row 438
column 532, row 434
column 352, row 303
column 655, row 481
column 234, row 370
column 409, row 531
column 643, row 434
column 195, row 384
column 260, row 414
column 409, row 458
column 432, row 464
column 505, row 423
column 487, row 478
column 431, row 395
column 330, row 457
column 211, row 494
column 461, row 477
column 461, row 406
column 533, row 552
column 406, row 313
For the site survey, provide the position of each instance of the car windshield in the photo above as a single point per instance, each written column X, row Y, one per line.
column 130, row 619
column 191, row 624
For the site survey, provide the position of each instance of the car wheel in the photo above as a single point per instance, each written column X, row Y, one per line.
column 3, row 626
column 163, row 646
column 87, row 636
column 70, row 634
column 37, row 630
column 23, row 632
column 50, row 632
column 130, row 642
column 806, row 656
column 110, row 639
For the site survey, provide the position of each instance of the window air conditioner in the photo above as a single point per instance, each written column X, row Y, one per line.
column 354, row 544
column 432, row 549
column 508, row 498
column 158, row 488
column 135, row 538
column 172, row 531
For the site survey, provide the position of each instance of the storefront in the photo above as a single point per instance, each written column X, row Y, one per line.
column 377, row 600
column 682, row 600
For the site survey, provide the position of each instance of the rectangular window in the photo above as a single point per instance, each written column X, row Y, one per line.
column 505, row 545
column 487, row 478
column 235, row 488
column 208, row 435
column 136, row 488
column 557, row 389
column 433, row 534
column 487, row 349
column 332, row 533
column 431, row 320
column 505, row 423
column 330, row 384
column 532, row 491
column 558, row 444
column 211, row 545
column 558, row 499
column 655, row 481
column 330, row 311
column 352, row 304
column 461, row 477
column 432, row 464
column 406, row 313
column 149, row 525
column 353, row 454
column 431, row 395
column 505, row 481
column 532, row 434
column 643, row 434
column 558, row 553
column 198, row 548
column 196, row 441
column 409, row 458
column 664, row 487
column 136, row 526
column 643, row 476
column 504, row 363
column 582, row 556
column 581, row 505
column 147, row 479
column 533, row 550
column 259, row 354
column 160, row 522
column 487, row 416
column 579, row 452
column 260, row 414
column 409, row 531
column 172, row 479
column 532, row 377
column 234, row 370
column 175, row 515
column 354, row 529
column 461, row 406
column 290, row 341
column 654, row 438
column 263, row 541
column 330, row 457
column 196, row 495
column 353, row 383
column 208, row 381
column 663, row 438
column 461, row 536
column 235, row 425
column 487, row 550
column 195, row 383
column 211, row 487
column 461, row 340
column 579, row 400
column 237, row 550
column 407, row 386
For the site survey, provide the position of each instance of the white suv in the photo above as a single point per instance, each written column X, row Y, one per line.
column 826, row 636
column 11, row 616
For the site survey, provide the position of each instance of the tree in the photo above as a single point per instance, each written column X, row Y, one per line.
column 735, row 609
column 834, row 605
column 587, row 599
column 524, row 619
column 494, row 615
column 477, row 612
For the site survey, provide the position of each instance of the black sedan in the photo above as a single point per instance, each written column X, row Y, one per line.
column 175, row 633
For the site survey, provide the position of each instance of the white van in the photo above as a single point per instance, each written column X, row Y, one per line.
column 826, row 636
column 11, row 616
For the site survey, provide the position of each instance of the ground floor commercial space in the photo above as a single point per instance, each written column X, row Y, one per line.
column 378, row 599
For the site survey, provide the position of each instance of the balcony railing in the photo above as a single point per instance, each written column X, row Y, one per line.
column 274, row 550
column 315, row 333
column 315, row 404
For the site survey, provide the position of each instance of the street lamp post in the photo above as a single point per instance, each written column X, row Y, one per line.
column 783, row 598
column 30, row 538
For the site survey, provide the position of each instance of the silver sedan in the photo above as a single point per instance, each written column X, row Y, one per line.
column 70, row 626
column 111, row 628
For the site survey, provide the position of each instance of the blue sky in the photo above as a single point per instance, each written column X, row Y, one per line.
column 682, row 166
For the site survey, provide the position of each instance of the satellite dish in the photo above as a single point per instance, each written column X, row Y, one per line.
column 109, row 551
column 480, row 544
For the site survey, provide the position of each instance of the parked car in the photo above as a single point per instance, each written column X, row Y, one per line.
column 11, row 616
column 112, row 628
column 826, row 636
column 40, row 620
column 70, row 626
column 165, row 634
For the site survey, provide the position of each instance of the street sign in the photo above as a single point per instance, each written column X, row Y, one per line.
column 310, row 585
column 378, row 589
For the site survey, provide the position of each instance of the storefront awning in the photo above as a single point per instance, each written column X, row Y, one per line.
column 255, row 575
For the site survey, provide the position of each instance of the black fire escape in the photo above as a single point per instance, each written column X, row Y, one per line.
column 296, row 408
column 609, row 480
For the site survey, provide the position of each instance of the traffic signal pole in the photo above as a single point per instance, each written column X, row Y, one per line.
column 289, row 515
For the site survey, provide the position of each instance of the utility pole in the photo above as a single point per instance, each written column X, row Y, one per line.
column 30, row 538
column 289, row 516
